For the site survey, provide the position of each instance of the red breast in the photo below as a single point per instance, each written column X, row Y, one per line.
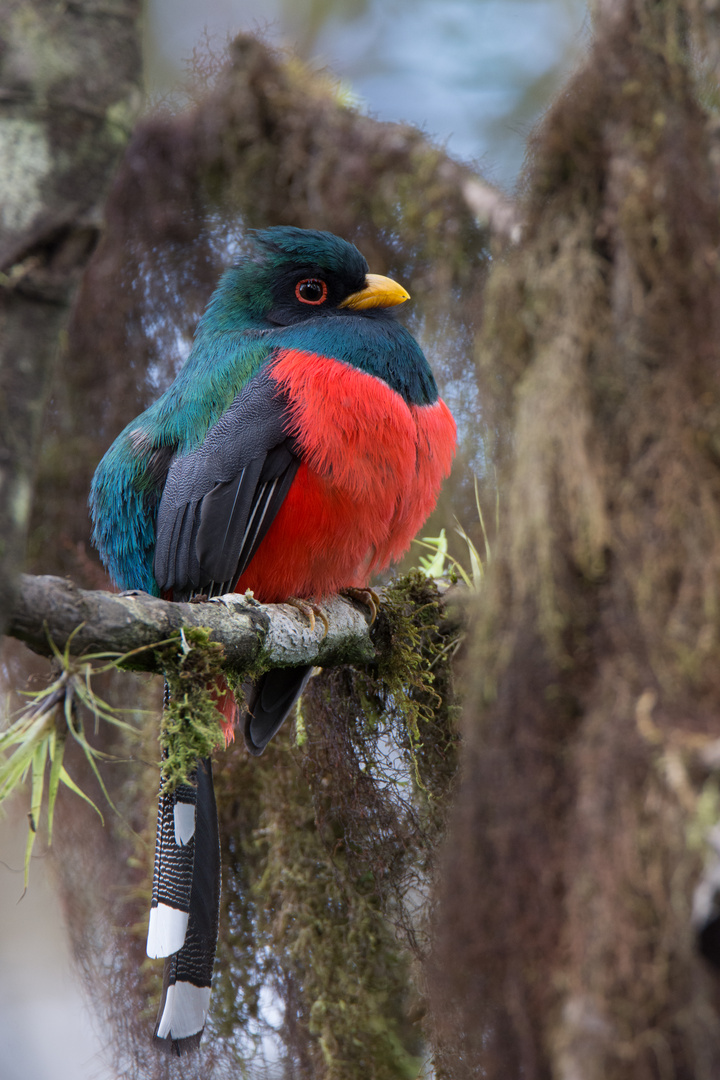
column 371, row 473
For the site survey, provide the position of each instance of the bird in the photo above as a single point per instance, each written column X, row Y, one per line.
column 298, row 451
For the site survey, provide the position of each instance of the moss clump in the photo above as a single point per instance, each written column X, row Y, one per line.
column 190, row 729
column 414, row 677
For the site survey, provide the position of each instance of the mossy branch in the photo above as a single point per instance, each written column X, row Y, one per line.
column 251, row 634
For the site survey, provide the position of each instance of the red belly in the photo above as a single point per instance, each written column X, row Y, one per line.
column 371, row 473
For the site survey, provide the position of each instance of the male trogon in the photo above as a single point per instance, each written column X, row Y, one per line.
column 298, row 451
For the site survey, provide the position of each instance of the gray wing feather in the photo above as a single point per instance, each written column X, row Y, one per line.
column 220, row 499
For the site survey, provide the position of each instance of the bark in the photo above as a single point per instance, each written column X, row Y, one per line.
column 50, row 608
column 69, row 77
column 566, row 947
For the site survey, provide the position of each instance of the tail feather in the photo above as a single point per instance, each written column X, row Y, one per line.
column 173, row 871
column 270, row 701
column 188, row 971
column 184, row 915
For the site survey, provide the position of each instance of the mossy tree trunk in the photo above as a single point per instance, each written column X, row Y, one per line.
column 565, row 945
column 69, row 89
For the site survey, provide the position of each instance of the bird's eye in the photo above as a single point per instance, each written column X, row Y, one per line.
column 311, row 290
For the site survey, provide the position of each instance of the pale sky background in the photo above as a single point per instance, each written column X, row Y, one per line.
column 475, row 74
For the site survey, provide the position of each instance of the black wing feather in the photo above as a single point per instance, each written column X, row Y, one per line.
column 223, row 516
column 221, row 498
column 278, row 473
column 184, row 544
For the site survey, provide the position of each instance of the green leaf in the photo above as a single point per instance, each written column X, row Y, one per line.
column 476, row 566
column 70, row 783
column 56, row 750
column 38, row 783
column 435, row 566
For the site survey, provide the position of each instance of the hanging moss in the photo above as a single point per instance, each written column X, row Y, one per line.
column 190, row 729
column 328, row 843
column 415, row 641
column 379, row 743
column 335, row 956
column 601, row 343
column 377, row 758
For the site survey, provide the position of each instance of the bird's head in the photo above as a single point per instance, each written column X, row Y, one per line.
column 294, row 274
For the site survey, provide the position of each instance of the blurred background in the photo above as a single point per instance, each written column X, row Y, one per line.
column 474, row 75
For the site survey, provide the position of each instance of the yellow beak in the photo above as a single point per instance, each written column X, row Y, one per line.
column 379, row 291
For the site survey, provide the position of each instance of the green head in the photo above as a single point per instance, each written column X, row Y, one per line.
column 292, row 275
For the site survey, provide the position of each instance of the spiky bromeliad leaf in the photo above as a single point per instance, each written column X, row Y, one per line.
column 434, row 565
column 39, row 733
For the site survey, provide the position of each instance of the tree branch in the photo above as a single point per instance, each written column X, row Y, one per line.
column 54, row 608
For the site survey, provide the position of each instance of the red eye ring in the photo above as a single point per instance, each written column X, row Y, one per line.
column 315, row 287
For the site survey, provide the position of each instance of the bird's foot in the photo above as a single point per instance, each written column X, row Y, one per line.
column 219, row 600
column 309, row 610
column 199, row 598
column 247, row 596
column 367, row 597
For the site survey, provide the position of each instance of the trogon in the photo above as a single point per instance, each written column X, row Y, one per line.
column 297, row 453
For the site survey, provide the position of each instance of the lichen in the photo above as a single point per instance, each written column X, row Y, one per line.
column 121, row 117
column 25, row 161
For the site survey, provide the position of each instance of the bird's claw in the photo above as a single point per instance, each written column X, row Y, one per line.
column 219, row 600
column 310, row 610
column 368, row 597
column 247, row 596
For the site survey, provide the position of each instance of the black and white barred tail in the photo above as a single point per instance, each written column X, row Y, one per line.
column 184, row 913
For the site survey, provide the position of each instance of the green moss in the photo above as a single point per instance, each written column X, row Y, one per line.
column 190, row 729
column 413, row 678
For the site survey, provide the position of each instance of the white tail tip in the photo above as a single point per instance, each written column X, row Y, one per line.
column 185, row 1010
column 166, row 931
